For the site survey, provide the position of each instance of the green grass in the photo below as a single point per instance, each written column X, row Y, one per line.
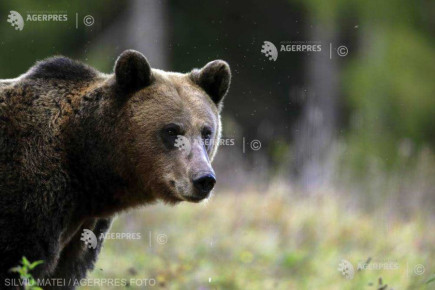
column 267, row 241
column 24, row 270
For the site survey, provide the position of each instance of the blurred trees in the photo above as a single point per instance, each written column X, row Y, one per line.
column 21, row 49
column 388, row 85
column 383, row 101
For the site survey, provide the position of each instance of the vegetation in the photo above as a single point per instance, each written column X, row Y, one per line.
column 269, row 240
column 24, row 271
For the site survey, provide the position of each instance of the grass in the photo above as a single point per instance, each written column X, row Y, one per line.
column 24, row 270
column 271, row 240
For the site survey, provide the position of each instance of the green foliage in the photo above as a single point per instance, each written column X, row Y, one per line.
column 24, row 272
column 390, row 90
column 388, row 82
column 431, row 280
column 19, row 50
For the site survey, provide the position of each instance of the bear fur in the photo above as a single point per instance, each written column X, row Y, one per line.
column 78, row 146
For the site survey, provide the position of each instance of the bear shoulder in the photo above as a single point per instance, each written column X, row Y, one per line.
column 62, row 68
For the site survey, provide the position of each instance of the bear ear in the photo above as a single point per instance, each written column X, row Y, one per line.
column 214, row 78
column 132, row 71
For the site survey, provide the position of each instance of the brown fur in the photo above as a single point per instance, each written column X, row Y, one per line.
column 77, row 146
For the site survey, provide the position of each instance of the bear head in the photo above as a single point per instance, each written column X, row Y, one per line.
column 173, row 126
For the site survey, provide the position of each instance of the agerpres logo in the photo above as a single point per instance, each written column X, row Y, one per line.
column 300, row 46
column 47, row 16
column 271, row 52
column 17, row 20
column 307, row 47
column 89, row 238
column 346, row 269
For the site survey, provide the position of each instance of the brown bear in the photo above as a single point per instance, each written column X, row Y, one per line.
column 78, row 146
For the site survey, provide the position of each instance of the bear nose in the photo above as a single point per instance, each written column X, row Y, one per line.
column 205, row 183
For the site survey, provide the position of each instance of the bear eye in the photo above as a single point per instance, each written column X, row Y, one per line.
column 206, row 133
column 172, row 130
column 169, row 134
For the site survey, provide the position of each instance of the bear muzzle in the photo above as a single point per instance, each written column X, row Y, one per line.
column 204, row 185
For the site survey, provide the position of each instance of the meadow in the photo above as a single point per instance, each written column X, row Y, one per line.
column 276, row 239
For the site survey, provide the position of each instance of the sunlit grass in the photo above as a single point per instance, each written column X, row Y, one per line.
column 267, row 240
